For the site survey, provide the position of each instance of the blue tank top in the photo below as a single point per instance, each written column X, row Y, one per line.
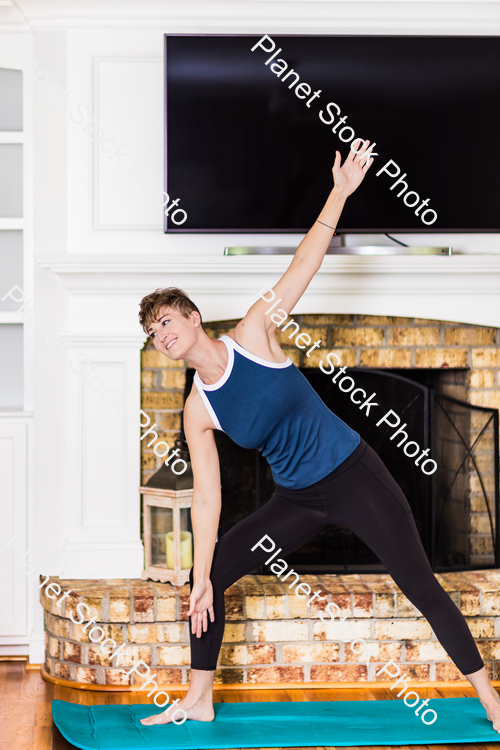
column 272, row 407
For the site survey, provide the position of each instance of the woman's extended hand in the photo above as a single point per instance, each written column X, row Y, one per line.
column 348, row 177
column 201, row 602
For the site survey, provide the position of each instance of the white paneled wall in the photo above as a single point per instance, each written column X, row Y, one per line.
column 128, row 175
column 102, row 429
column 15, row 609
column 13, row 469
column 11, row 247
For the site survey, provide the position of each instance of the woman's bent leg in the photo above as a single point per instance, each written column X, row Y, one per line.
column 288, row 525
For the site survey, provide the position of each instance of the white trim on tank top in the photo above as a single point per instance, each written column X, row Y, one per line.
column 253, row 357
column 208, row 406
column 231, row 345
column 202, row 387
column 227, row 371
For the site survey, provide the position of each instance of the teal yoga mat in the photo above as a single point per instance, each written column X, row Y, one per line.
column 303, row 724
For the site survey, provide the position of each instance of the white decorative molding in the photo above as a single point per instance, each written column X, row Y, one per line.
column 101, row 339
column 215, row 264
column 15, row 415
column 266, row 16
column 11, row 316
column 101, row 410
column 461, row 288
column 117, row 188
column 11, row 18
column 13, row 528
column 36, row 653
column 11, row 136
column 9, row 223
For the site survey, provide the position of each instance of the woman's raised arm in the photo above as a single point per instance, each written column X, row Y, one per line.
column 311, row 251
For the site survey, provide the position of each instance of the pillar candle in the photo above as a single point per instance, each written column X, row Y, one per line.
column 186, row 550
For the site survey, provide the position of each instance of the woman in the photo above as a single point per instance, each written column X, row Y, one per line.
column 325, row 474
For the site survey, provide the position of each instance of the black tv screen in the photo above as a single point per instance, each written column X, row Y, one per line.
column 248, row 149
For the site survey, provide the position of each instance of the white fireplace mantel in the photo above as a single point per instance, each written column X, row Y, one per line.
column 461, row 288
column 97, row 377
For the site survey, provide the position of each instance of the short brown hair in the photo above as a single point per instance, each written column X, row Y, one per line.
column 172, row 297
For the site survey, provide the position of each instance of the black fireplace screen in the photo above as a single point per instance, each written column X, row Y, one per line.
column 456, row 508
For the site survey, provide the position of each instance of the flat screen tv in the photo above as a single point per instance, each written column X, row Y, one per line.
column 249, row 143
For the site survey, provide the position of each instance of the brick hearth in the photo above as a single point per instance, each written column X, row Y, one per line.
column 269, row 637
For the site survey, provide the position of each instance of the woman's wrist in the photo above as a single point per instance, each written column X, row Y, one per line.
column 337, row 193
column 330, row 213
column 201, row 575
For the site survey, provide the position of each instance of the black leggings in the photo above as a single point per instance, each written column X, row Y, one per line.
column 359, row 495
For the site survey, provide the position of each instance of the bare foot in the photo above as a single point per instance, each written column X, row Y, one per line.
column 200, row 710
column 492, row 707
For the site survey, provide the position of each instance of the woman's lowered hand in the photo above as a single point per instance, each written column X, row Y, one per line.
column 201, row 603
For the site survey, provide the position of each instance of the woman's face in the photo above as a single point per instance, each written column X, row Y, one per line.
column 173, row 335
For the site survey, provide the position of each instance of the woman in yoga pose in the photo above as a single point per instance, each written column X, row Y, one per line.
column 325, row 473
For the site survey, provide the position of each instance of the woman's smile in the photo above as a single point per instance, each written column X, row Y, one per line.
column 171, row 343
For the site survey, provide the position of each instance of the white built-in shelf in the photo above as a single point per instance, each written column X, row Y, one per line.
column 11, row 136
column 11, row 222
column 15, row 411
column 7, row 317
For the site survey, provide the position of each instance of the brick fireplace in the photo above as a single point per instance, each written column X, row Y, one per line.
column 268, row 638
column 468, row 358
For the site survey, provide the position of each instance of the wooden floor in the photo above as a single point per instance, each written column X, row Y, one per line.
column 26, row 718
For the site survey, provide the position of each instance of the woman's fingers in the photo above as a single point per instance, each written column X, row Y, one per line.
column 199, row 624
column 365, row 147
column 352, row 154
column 199, row 620
column 361, row 155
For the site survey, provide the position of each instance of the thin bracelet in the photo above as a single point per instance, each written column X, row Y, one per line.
column 325, row 225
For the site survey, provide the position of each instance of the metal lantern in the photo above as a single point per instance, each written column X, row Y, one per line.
column 168, row 539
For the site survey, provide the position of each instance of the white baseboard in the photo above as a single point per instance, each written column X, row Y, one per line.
column 11, row 649
column 37, row 648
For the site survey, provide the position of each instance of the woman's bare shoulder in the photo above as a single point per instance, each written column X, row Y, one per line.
column 257, row 341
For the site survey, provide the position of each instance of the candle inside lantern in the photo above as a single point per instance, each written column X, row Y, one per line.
column 186, row 550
